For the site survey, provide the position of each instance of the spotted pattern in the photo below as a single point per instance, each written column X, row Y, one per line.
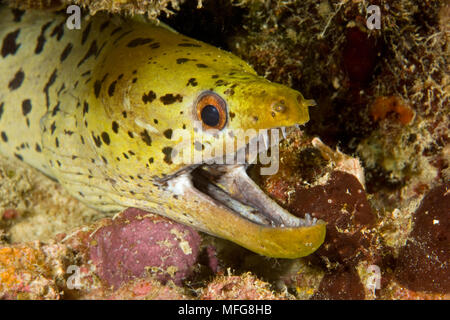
column 41, row 38
column 66, row 52
column 170, row 98
column 16, row 82
column 9, row 45
column 26, row 107
column 149, row 97
column 139, row 42
column 100, row 109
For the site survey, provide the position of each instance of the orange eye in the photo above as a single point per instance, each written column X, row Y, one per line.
column 212, row 111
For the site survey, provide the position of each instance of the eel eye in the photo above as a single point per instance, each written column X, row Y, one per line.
column 212, row 111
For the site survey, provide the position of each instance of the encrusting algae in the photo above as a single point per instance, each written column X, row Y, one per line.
column 382, row 95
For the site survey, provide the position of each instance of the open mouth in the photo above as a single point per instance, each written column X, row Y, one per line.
column 230, row 186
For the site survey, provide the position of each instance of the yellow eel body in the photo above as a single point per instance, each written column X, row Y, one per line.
column 105, row 109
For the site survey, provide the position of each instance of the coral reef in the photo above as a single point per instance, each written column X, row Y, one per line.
column 32, row 271
column 140, row 289
column 326, row 192
column 382, row 95
column 151, row 8
column 360, row 77
column 423, row 263
column 343, row 285
column 343, row 204
column 135, row 255
column 380, row 179
column 327, row 185
column 32, row 207
column 244, row 287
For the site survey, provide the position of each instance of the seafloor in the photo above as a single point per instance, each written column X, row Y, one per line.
column 373, row 162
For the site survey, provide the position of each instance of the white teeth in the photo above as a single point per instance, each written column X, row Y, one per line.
column 283, row 131
column 307, row 219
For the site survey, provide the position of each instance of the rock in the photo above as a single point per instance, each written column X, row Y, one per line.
column 423, row 263
column 342, row 203
column 136, row 244
column 342, row 285
column 32, row 270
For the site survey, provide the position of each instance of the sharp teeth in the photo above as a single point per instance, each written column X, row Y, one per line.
column 309, row 221
column 283, row 131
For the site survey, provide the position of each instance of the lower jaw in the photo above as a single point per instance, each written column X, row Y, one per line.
column 261, row 235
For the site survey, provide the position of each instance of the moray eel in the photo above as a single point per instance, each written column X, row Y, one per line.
column 103, row 109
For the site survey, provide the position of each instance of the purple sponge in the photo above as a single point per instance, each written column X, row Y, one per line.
column 137, row 244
